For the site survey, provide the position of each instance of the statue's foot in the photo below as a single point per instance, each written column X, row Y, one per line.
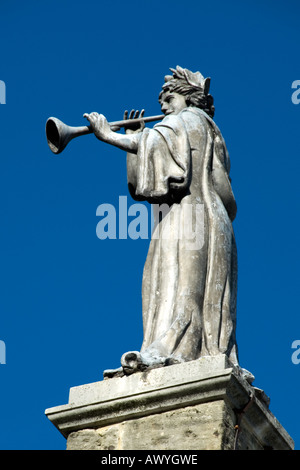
column 132, row 362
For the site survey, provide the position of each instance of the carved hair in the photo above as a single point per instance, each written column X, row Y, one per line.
column 192, row 86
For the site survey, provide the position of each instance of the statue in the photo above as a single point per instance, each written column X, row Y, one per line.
column 188, row 294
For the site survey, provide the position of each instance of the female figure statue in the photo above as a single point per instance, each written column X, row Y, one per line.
column 189, row 286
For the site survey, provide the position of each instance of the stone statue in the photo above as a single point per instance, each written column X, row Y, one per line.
column 189, row 289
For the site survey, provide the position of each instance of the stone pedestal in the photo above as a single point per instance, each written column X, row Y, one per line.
column 199, row 405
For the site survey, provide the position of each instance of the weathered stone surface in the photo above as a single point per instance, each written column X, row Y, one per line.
column 200, row 427
column 190, row 406
column 208, row 426
column 87, row 439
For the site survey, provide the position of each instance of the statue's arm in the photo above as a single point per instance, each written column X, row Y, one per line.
column 102, row 130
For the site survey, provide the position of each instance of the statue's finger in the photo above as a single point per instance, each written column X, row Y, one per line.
column 89, row 117
column 131, row 114
column 125, row 114
column 136, row 114
column 142, row 113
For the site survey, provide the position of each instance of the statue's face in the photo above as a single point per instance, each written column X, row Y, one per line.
column 172, row 103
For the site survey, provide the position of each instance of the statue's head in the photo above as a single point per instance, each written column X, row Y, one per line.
column 185, row 88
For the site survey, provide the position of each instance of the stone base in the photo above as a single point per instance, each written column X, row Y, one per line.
column 199, row 405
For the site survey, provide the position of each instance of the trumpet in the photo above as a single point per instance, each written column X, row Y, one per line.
column 60, row 134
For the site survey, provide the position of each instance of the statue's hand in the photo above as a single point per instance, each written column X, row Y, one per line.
column 139, row 126
column 99, row 125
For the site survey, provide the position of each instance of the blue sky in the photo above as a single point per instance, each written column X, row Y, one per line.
column 71, row 303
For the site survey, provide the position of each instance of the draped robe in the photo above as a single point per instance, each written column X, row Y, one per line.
column 188, row 291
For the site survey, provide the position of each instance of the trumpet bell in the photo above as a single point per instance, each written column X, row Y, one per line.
column 58, row 135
